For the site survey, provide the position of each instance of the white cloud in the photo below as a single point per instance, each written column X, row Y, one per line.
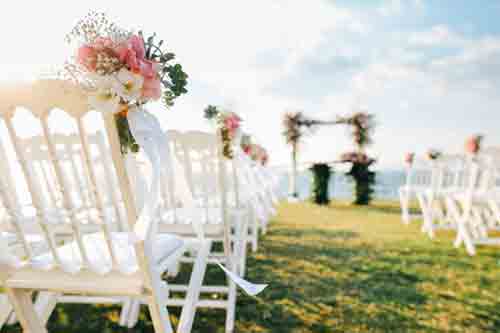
column 439, row 35
column 391, row 8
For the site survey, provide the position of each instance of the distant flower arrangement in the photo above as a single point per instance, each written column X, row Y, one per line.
column 433, row 154
column 228, row 124
column 122, row 70
column 292, row 127
column 256, row 152
column 363, row 125
column 409, row 158
column 259, row 154
column 473, row 144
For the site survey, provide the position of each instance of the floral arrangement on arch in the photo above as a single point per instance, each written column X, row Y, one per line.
column 228, row 124
column 363, row 125
column 122, row 70
column 473, row 144
column 292, row 127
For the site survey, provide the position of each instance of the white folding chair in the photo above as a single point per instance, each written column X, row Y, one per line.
column 418, row 180
column 196, row 157
column 213, row 182
column 447, row 179
column 103, row 263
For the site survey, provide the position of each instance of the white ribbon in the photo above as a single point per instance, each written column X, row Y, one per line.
column 153, row 140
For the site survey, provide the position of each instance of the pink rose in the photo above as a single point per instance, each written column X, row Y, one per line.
column 87, row 56
column 151, row 88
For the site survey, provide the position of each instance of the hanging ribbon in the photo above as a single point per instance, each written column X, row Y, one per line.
column 147, row 131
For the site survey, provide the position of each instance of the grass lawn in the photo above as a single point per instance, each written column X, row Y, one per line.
column 343, row 269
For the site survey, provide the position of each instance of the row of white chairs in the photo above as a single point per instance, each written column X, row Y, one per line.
column 71, row 243
column 456, row 192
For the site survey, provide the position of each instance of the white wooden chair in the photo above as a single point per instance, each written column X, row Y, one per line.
column 477, row 209
column 104, row 263
column 447, row 178
column 419, row 176
column 211, row 180
column 45, row 302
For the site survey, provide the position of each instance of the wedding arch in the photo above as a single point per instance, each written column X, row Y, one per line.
column 296, row 125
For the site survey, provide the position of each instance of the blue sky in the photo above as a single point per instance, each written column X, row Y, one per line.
column 428, row 69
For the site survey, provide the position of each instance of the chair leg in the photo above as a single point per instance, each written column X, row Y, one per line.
column 193, row 294
column 5, row 309
column 45, row 304
column 255, row 235
column 25, row 310
column 125, row 313
column 405, row 215
column 159, row 314
column 133, row 315
column 231, row 307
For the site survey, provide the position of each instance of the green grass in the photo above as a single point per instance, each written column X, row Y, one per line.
column 343, row 269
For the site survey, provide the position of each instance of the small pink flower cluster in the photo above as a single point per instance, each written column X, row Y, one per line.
column 232, row 122
column 473, row 144
column 105, row 56
column 409, row 158
column 257, row 153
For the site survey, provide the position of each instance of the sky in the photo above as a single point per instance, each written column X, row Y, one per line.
column 429, row 70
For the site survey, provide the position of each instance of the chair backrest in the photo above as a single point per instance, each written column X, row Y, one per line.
column 70, row 153
column 40, row 99
column 208, row 175
column 420, row 174
column 206, row 171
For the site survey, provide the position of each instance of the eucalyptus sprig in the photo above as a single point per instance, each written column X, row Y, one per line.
column 172, row 76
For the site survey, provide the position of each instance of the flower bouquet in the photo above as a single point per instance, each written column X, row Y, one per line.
column 122, row 70
column 292, row 127
column 228, row 124
column 409, row 158
column 473, row 144
column 363, row 125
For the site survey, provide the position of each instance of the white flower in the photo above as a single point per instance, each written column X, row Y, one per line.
column 104, row 98
column 128, row 85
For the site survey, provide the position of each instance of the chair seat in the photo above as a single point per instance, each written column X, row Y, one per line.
column 99, row 257
column 85, row 282
column 180, row 222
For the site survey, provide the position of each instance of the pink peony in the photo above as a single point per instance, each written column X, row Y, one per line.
column 87, row 56
column 151, row 88
column 133, row 54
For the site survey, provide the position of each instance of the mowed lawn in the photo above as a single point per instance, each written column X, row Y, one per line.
column 342, row 269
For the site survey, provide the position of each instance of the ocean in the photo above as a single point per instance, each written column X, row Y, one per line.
column 341, row 187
